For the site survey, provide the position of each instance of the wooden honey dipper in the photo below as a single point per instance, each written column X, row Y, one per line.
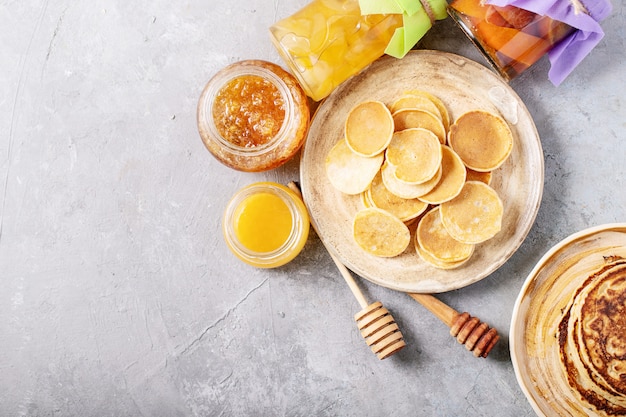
column 477, row 336
column 377, row 326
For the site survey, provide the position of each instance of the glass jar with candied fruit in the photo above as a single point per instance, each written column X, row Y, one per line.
column 511, row 39
column 328, row 41
column 253, row 116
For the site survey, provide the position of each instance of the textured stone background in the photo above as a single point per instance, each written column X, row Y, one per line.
column 118, row 295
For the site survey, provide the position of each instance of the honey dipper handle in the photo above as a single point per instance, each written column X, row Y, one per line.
column 441, row 310
column 477, row 336
column 345, row 273
column 347, row 276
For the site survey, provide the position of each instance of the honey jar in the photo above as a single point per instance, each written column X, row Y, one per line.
column 510, row 38
column 266, row 224
column 253, row 116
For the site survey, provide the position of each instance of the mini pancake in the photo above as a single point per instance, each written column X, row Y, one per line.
column 434, row 239
column 411, row 118
column 380, row 233
column 479, row 176
column 475, row 215
column 404, row 209
column 482, row 140
column 452, row 179
column 368, row 128
column 348, row 172
column 401, row 188
column 411, row 223
column 366, row 200
column 443, row 110
column 417, row 102
column 416, row 155
column 437, row 263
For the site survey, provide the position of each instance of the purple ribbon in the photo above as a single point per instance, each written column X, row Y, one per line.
column 583, row 15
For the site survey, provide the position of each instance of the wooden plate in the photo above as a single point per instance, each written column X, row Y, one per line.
column 538, row 310
column 463, row 85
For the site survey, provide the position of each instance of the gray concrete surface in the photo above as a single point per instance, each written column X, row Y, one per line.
column 119, row 297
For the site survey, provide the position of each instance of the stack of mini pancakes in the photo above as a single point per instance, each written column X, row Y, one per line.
column 411, row 164
column 592, row 339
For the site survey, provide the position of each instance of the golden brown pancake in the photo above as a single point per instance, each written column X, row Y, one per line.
column 403, row 189
column 452, row 178
column 418, row 102
column 403, row 208
column 443, row 110
column 479, row 176
column 475, row 215
column 412, row 118
column 592, row 340
column 380, row 233
column 416, row 155
column 368, row 128
column 433, row 238
column 482, row 140
column 348, row 172
column 437, row 263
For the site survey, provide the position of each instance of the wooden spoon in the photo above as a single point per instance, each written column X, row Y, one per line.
column 377, row 326
column 477, row 336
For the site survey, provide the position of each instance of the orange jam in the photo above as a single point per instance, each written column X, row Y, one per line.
column 249, row 111
column 262, row 222
column 266, row 224
column 253, row 116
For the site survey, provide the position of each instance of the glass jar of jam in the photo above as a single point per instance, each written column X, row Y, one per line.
column 266, row 224
column 328, row 41
column 253, row 116
column 510, row 38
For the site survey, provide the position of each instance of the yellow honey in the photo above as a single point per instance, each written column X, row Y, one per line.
column 266, row 225
column 262, row 222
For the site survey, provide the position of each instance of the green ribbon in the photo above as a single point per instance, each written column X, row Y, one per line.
column 416, row 20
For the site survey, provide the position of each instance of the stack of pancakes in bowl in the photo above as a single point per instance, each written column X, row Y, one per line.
column 568, row 332
column 592, row 339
